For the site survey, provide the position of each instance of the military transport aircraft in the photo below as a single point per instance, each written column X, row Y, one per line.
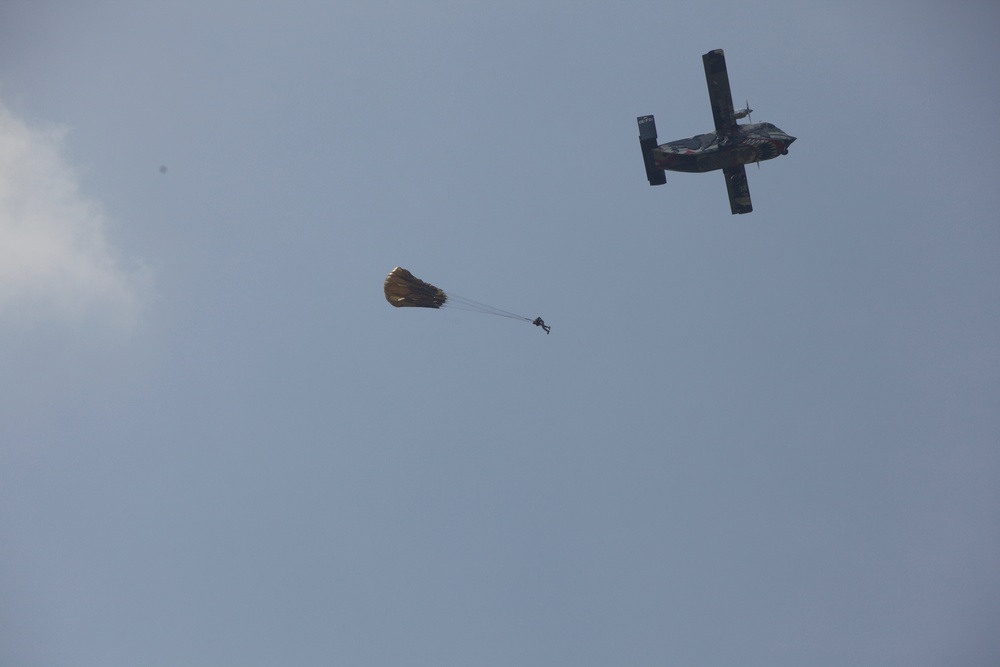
column 729, row 148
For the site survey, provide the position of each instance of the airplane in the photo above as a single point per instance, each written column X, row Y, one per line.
column 729, row 148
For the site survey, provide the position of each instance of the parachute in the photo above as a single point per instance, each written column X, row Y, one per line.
column 405, row 290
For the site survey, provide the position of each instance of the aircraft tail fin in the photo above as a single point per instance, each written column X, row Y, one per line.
column 647, row 142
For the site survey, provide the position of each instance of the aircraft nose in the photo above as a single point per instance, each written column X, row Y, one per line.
column 788, row 142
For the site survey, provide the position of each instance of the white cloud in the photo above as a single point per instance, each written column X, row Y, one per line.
column 56, row 262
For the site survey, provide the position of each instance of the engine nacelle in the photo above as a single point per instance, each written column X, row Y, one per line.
column 647, row 142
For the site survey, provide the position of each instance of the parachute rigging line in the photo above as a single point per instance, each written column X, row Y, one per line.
column 461, row 303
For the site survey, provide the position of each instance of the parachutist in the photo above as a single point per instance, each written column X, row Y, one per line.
column 404, row 290
column 539, row 322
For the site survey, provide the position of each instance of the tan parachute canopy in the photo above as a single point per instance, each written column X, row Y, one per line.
column 403, row 289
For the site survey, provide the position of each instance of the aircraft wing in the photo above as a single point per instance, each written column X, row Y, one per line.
column 719, row 93
column 738, row 188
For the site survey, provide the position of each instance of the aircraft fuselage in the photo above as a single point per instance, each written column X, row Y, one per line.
column 752, row 142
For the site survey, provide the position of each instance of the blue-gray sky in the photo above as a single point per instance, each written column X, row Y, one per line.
column 749, row 440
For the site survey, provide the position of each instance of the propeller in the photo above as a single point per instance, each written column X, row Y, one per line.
column 744, row 113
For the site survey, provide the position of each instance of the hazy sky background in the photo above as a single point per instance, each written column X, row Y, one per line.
column 757, row 440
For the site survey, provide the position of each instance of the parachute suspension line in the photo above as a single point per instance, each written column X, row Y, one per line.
column 462, row 303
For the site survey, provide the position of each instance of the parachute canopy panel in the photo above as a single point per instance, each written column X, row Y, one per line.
column 403, row 289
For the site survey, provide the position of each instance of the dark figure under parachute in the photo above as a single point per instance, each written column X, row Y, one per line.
column 404, row 290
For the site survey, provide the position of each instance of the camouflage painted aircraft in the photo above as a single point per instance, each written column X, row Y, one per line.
column 729, row 148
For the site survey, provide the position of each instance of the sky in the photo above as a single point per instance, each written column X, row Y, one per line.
column 769, row 439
